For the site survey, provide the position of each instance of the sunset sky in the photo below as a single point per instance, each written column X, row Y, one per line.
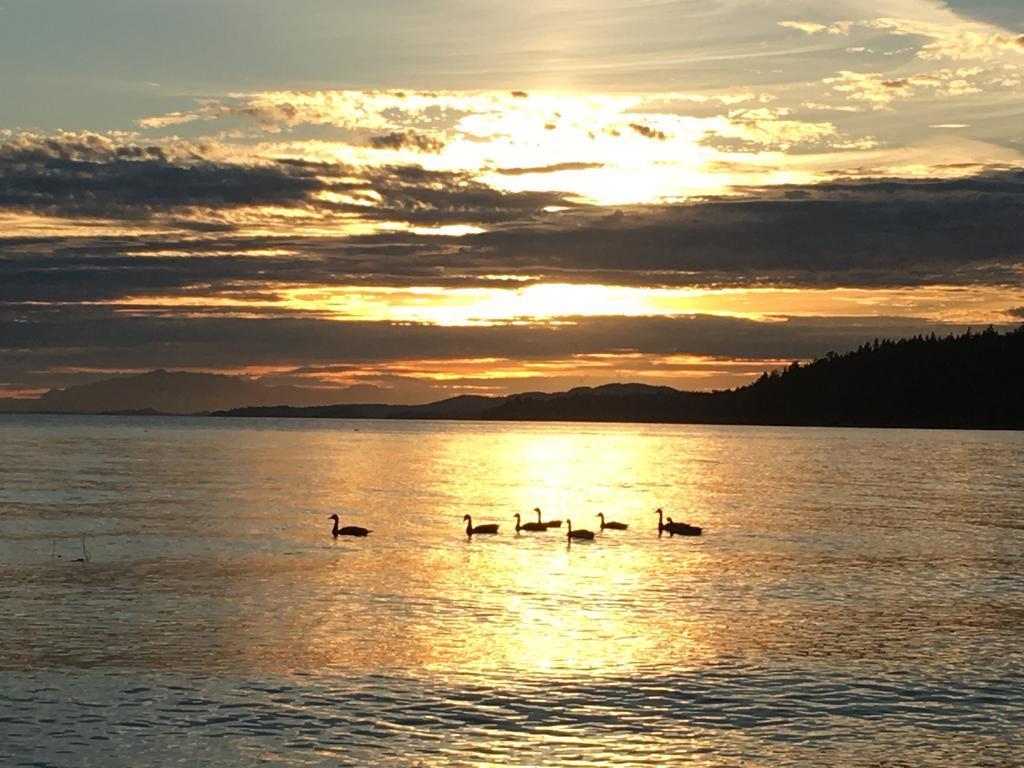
column 422, row 198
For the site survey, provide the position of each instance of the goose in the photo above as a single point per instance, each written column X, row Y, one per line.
column 348, row 530
column 577, row 534
column 677, row 529
column 471, row 529
column 661, row 520
column 613, row 526
column 529, row 526
column 682, row 529
column 549, row 523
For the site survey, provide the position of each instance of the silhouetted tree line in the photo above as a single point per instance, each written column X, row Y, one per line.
column 975, row 380
column 969, row 381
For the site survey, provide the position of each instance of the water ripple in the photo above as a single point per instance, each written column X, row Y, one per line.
column 858, row 599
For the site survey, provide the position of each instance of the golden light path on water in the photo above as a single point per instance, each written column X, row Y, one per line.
column 530, row 602
column 435, row 601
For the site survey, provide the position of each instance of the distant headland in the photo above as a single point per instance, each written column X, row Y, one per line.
column 971, row 381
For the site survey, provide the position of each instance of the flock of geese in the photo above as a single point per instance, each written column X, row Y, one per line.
column 665, row 525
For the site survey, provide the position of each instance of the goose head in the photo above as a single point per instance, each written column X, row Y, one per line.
column 333, row 517
column 466, row 518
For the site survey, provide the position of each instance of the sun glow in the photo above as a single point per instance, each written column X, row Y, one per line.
column 550, row 302
column 485, row 306
column 605, row 149
column 559, row 303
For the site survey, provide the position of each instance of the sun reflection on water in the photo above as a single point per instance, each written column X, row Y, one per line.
column 528, row 602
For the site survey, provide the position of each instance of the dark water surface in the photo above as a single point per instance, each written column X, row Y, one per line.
column 858, row 598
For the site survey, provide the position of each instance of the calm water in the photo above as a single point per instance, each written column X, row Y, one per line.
column 857, row 599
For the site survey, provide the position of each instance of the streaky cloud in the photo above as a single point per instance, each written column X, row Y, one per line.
column 553, row 168
column 413, row 140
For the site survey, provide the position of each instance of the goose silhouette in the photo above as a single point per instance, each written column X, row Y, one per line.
column 612, row 526
column 348, row 530
column 474, row 529
column 579, row 533
column 549, row 523
column 529, row 526
column 677, row 529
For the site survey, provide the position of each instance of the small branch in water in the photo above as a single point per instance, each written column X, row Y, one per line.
column 85, row 553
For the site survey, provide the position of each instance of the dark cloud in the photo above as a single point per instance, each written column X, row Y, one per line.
column 841, row 232
column 98, row 178
column 648, row 132
column 1000, row 184
column 418, row 142
column 94, row 337
column 434, row 198
column 270, row 117
column 524, row 94
column 852, row 234
column 1016, row 312
column 93, row 177
column 555, row 168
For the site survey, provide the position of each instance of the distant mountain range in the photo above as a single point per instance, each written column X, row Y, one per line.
column 969, row 381
column 167, row 392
